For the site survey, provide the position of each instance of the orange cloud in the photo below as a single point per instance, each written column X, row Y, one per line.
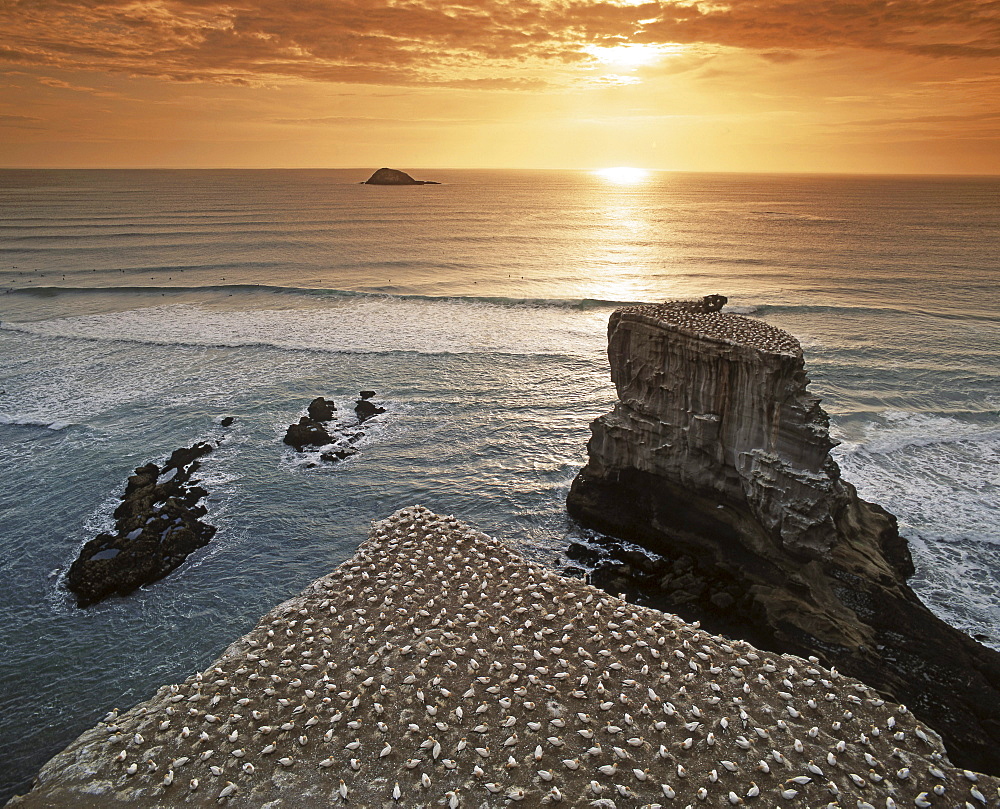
column 493, row 43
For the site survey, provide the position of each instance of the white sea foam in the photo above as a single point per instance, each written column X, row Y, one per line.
column 941, row 476
column 24, row 420
column 897, row 430
column 351, row 325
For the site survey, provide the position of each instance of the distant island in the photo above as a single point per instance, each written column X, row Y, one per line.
column 395, row 177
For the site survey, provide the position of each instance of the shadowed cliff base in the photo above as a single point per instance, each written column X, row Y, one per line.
column 717, row 453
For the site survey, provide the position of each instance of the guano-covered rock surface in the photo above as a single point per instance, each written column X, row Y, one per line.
column 439, row 668
column 717, row 455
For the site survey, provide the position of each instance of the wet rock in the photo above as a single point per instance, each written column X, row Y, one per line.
column 320, row 429
column 321, row 409
column 717, row 451
column 307, row 433
column 365, row 408
column 579, row 552
column 638, row 561
column 338, row 454
column 722, row 600
column 158, row 524
column 227, row 421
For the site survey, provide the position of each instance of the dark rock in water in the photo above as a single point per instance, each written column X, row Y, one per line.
column 157, row 525
column 579, row 552
column 338, row 454
column 716, row 457
column 318, row 428
column 321, row 409
column 227, row 421
column 367, row 394
column 365, row 409
column 307, row 433
column 395, row 177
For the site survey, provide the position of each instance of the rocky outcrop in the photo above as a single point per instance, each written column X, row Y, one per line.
column 716, row 457
column 365, row 409
column 437, row 667
column 157, row 526
column 311, row 429
column 395, row 177
column 320, row 429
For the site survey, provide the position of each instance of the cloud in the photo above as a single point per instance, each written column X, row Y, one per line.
column 781, row 57
column 360, row 122
column 494, row 44
column 59, row 84
column 958, row 118
column 21, row 122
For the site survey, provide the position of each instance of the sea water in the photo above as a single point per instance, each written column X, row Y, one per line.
column 138, row 308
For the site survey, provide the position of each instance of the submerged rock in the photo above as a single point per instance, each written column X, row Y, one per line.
column 437, row 667
column 157, row 526
column 717, row 452
column 395, row 177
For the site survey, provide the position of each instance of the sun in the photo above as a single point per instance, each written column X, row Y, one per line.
column 626, row 57
column 623, row 175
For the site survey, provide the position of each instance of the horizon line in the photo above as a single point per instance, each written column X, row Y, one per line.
column 506, row 168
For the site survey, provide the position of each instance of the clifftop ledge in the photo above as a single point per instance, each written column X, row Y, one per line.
column 439, row 668
column 716, row 452
column 704, row 318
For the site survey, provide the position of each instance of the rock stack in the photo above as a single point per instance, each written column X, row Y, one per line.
column 437, row 667
column 717, row 453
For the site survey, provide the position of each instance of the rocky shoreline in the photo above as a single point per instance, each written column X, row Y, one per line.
column 437, row 667
column 717, row 453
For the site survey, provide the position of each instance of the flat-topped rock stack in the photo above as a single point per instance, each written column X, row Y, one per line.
column 437, row 667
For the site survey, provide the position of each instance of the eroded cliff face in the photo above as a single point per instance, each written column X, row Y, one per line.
column 716, row 450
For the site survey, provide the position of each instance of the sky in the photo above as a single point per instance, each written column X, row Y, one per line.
column 845, row 86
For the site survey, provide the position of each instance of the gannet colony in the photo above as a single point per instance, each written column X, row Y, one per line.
column 437, row 667
column 703, row 320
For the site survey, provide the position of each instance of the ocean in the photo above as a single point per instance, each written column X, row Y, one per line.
column 139, row 308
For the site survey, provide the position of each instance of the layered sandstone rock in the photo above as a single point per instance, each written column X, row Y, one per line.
column 716, row 452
